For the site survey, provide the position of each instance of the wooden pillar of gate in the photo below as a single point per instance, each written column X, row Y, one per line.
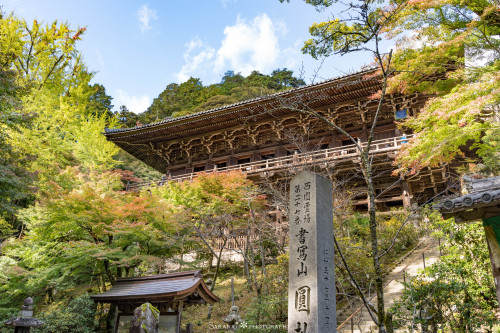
column 492, row 231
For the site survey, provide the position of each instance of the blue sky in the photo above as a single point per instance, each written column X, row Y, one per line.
column 137, row 48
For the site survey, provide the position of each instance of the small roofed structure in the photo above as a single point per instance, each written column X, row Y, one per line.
column 482, row 202
column 169, row 293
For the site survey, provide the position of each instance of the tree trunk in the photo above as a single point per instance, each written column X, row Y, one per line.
column 182, row 255
column 110, row 276
column 217, row 267
column 247, row 267
column 209, row 314
column 374, row 240
column 388, row 323
column 263, row 257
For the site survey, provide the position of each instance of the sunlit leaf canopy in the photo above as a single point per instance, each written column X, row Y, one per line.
column 434, row 40
column 445, row 36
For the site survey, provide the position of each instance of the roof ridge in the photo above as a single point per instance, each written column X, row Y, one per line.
column 220, row 108
column 193, row 274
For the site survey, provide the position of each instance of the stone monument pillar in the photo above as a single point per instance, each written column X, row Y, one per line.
column 311, row 289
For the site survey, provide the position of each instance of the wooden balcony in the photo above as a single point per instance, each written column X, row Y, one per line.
column 337, row 154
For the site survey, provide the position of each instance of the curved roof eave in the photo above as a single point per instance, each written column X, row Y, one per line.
column 162, row 286
column 198, row 283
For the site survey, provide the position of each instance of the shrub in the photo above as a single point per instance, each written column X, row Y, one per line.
column 77, row 317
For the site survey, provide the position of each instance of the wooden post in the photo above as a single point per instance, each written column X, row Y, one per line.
column 407, row 198
column 232, row 292
column 115, row 322
column 179, row 316
column 492, row 230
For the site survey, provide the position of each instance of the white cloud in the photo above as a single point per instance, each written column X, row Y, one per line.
column 195, row 61
column 291, row 56
column 250, row 46
column 136, row 104
column 145, row 15
column 246, row 46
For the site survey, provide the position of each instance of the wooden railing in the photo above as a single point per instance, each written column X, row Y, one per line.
column 279, row 163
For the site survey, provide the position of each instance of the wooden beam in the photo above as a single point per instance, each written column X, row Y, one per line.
column 381, row 200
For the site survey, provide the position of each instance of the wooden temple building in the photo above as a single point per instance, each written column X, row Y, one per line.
column 169, row 293
column 265, row 137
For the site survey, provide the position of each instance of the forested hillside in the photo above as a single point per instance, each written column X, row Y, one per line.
column 192, row 96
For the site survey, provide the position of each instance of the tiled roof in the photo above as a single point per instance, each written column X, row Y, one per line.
column 250, row 101
column 156, row 286
column 144, row 141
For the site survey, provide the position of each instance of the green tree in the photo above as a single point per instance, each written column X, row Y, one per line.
column 284, row 79
column 126, row 117
column 99, row 101
column 223, row 207
column 140, row 170
column 220, row 207
column 445, row 36
column 231, row 80
column 55, row 96
column 176, row 100
column 84, row 231
column 192, row 93
column 245, row 93
column 15, row 179
column 457, row 293
column 215, row 102
column 257, row 79
column 164, row 105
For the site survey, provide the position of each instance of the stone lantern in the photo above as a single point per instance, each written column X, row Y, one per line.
column 233, row 319
column 25, row 320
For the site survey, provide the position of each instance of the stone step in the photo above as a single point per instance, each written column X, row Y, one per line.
column 394, row 290
column 365, row 326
